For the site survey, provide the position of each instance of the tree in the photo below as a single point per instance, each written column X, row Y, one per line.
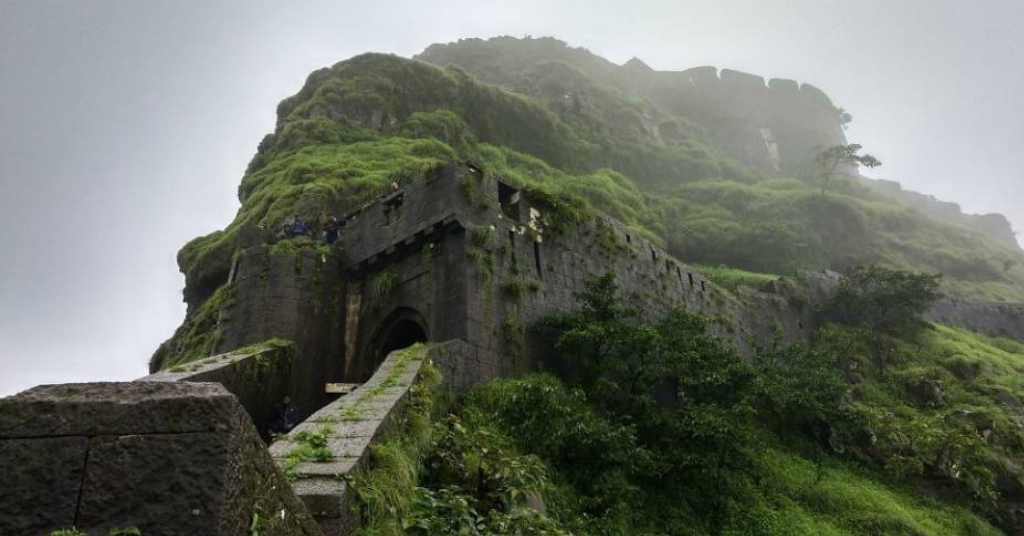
column 845, row 118
column 893, row 302
column 837, row 159
column 883, row 302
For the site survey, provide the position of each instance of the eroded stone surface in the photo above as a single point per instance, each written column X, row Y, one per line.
column 157, row 482
column 39, row 483
column 93, row 409
column 188, row 460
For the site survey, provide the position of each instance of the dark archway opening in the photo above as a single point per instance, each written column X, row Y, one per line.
column 402, row 329
column 404, row 334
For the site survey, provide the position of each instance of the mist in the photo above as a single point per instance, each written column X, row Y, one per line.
column 125, row 127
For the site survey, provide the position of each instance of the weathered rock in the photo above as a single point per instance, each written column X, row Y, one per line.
column 928, row 392
column 94, row 409
column 168, row 458
column 39, row 483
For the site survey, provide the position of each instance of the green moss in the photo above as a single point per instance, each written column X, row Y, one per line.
column 481, row 251
column 382, row 284
column 365, row 122
column 311, row 447
column 516, row 287
column 734, row 278
column 198, row 336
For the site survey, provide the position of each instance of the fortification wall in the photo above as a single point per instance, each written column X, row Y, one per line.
column 295, row 294
column 775, row 124
column 991, row 318
column 538, row 269
column 462, row 256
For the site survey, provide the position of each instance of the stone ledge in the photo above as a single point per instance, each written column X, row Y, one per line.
column 94, row 409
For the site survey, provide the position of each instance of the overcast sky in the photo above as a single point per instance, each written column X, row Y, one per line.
column 125, row 125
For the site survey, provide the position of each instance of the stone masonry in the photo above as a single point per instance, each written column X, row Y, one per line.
column 166, row 458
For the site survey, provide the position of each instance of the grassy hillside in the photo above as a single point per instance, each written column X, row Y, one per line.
column 920, row 435
column 375, row 118
column 823, row 439
column 755, row 221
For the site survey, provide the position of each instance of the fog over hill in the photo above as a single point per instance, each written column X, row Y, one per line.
column 125, row 128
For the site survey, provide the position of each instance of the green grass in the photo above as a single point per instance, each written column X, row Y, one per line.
column 311, row 447
column 385, row 489
column 327, row 157
column 734, row 278
column 840, row 500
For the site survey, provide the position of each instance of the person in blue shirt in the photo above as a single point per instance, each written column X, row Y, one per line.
column 283, row 417
column 298, row 227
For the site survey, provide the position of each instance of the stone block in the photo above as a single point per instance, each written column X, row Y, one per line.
column 154, row 481
column 94, row 409
column 168, row 458
column 40, row 481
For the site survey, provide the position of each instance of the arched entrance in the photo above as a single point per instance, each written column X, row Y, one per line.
column 400, row 329
column 404, row 334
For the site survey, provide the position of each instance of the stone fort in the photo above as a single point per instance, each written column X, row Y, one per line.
column 458, row 260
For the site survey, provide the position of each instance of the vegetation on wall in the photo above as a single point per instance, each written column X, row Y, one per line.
column 881, row 425
column 662, row 429
column 365, row 122
column 198, row 336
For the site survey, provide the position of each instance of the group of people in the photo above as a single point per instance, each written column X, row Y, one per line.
column 297, row 227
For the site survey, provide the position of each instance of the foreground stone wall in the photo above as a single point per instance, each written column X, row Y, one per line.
column 167, row 458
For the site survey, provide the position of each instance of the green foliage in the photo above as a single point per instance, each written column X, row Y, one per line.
column 357, row 126
column 312, row 447
column 943, row 414
column 198, row 336
column 483, row 237
column 799, row 393
column 517, row 287
column 381, row 285
column 386, row 490
column 841, row 159
column 481, row 251
column 884, row 301
column 735, row 278
column 663, row 430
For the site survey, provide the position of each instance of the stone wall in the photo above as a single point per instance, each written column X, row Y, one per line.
column 468, row 257
column 771, row 125
column 259, row 376
column 293, row 293
column 169, row 458
column 991, row 318
column 351, row 425
column 539, row 269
